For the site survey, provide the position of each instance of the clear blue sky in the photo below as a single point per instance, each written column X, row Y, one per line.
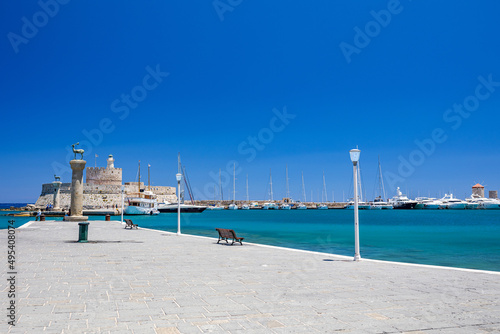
column 148, row 79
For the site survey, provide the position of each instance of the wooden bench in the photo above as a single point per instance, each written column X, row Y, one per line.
column 226, row 234
column 130, row 224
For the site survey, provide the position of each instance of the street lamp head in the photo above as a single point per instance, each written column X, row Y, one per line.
column 354, row 155
column 178, row 176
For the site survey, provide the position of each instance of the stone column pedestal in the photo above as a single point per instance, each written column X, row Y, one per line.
column 57, row 186
column 77, row 166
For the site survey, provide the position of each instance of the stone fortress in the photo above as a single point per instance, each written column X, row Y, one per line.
column 102, row 189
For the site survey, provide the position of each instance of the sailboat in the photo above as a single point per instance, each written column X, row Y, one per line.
column 233, row 205
column 270, row 205
column 302, row 206
column 246, row 206
column 142, row 203
column 324, row 199
column 378, row 203
column 167, row 207
column 218, row 206
column 285, row 205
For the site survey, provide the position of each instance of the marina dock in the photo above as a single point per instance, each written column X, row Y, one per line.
column 149, row 281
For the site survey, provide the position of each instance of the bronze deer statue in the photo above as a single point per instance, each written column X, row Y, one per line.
column 79, row 151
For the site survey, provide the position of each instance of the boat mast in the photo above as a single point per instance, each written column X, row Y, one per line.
column 149, row 184
column 220, row 187
column 287, row 186
column 139, row 183
column 303, row 188
column 248, row 198
column 234, row 182
column 360, row 187
column 271, row 183
column 324, row 188
column 381, row 180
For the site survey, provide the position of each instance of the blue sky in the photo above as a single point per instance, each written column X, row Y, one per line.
column 264, row 84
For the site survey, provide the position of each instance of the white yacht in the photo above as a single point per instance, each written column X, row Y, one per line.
column 401, row 201
column 232, row 206
column 301, row 206
column 483, row 202
column 215, row 207
column 361, row 205
column 270, row 206
column 449, row 202
column 421, row 201
column 379, row 204
column 142, row 203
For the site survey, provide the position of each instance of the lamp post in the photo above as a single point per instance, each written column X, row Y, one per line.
column 123, row 190
column 355, row 158
column 178, row 176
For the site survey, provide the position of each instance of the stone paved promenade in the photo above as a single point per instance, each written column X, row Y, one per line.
column 145, row 281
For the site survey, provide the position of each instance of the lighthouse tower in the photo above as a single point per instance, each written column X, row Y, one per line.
column 111, row 162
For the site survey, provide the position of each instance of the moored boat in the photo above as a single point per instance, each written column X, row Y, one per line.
column 401, row 201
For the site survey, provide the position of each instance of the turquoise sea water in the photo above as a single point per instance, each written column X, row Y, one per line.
column 457, row 238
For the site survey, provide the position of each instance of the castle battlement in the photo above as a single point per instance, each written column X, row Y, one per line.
column 104, row 176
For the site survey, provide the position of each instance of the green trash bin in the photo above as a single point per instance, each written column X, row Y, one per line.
column 84, row 232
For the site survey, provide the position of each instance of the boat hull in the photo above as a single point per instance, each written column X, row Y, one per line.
column 172, row 208
column 137, row 210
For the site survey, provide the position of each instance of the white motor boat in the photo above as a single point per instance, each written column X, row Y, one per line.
column 421, row 201
column 483, row 202
column 232, row 206
column 215, row 207
column 361, row 206
column 322, row 207
column 143, row 203
column 270, row 206
column 401, row 201
column 301, row 206
column 379, row 204
column 449, row 202
column 285, row 207
column 245, row 207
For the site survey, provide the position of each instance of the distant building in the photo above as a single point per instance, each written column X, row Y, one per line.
column 493, row 194
column 478, row 190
